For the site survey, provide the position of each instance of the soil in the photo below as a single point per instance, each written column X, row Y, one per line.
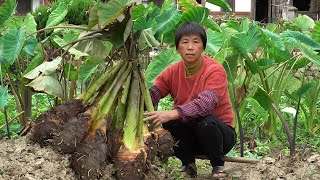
column 21, row 159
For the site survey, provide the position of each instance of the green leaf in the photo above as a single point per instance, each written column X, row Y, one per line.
column 147, row 39
column 294, row 37
column 93, row 16
column 31, row 44
column 300, row 63
column 304, row 88
column 118, row 33
column 93, row 47
column 186, row 4
column 6, row 11
column 309, row 53
column 222, row 55
column 257, row 109
column 30, row 23
column 262, row 97
column 143, row 23
column 57, row 15
column 36, row 61
column 61, row 42
column 2, row 59
column 110, row 11
column 214, row 42
column 167, row 20
column 265, row 63
column 197, row 14
column 45, row 68
column 220, row 3
column 13, row 41
column 210, row 23
column 159, row 63
column 230, row 65
column 247, row 42
column 245, row 24
column 278, row 55
column 3, row 97
column 304, row 22
column 138, row 11
column 273, row 39
column 88, row 68
column 316, row 32
column 48, row 84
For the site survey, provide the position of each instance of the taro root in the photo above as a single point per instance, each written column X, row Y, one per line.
column 105, row 125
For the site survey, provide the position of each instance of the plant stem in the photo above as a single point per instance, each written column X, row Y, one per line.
column 57, row 27
column 286, row 127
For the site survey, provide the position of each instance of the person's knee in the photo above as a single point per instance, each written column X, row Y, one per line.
column 207, row 121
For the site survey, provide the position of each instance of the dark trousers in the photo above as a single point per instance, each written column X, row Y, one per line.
column 207, row 136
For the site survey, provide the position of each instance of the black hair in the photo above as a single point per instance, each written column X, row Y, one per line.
column 191, row 28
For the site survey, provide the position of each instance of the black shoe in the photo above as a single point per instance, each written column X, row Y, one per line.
column 189, row 171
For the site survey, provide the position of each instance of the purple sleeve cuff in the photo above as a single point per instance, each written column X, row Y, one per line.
column 199, row 107
column 155, row 96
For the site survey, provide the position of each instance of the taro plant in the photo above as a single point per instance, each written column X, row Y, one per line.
column 107, row 116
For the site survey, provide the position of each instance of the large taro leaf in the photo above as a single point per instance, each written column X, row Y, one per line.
column 167, row 20
column 89, row 67
column 48, row 84
column 309, row 53
column 61, row 42
column 316, row 32
column 210, row 23
column 110, row 11
column 265, row 63
column 31, row 43
column 278, row 55
column 187, row 4
column 257, row 110
column 220, row 3
column 197, row 14
column 263, row 98
column 93, row 16
column 13, row 41
column 304, row 22
column 214, row 42
column 247, row 42
column 143, row 23
column 273, row 40
column 245, row 24
column 294, row 37
column 138, row 11
column 31, row 25
column 230, row 65
column 119, row 32
column 45, row 68
column 7, row 10
column 57, row 15
column 2, row 59
column 299, row 62
column 159, row 63
column 36, row 61
column 3, row 97
column 147, row 39
column 93, row 47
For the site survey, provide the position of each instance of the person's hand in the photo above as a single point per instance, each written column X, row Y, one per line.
column 159, row 117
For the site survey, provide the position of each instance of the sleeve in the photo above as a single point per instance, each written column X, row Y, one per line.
column 199, row 107
column 155, row 96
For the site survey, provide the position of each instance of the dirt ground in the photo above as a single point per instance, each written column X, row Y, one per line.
column 20, row 159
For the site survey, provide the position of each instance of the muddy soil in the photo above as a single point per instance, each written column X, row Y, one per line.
column 20, row 159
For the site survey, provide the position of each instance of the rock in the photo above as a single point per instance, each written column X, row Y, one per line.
column 313, row 158
column 269, row 160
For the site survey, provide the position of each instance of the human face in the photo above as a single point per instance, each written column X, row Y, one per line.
column 190, row 48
